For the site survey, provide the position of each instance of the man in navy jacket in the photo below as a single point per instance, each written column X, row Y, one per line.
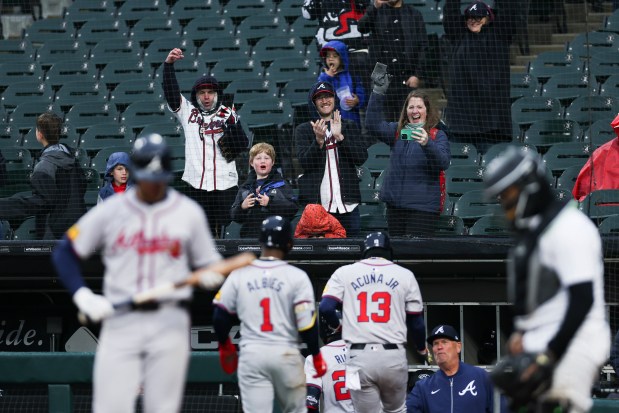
column 457, row 387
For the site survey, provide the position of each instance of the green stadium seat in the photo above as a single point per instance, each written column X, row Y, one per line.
column 91, row 197
column 587, row 109
column 86, row 114
column 172, row 132
column 107, row 50
column 449, row 225
column 568, row 86
column 200, row 29
column 560, row 156
column 567, row 179
column 177, row 153
column 9, row 136
column 68, row 136
column 238, row 10
column 266, row 112
column 474, row 204
column 70, row 71
column 460, row 179
column 216, row 48
column 600, row 204
column 93, row 179
column 290, row 10
column 26, row 230
column 14, row 50
column 18, row 159
column 562, row 195
column 185, row 10
column 46, row 31
column 491, row 225
column 96, row 30
column 609, row 226
column 59, row 50
column 463, row 154
column 585, row 45
column 6, row 232
column 99, row 161
column 124, row 70
column 135, row 10
column 547, row 64
column 19, row 72
column 433, row 19
column 81, row 12
column 82, row 157
column 599, row 133
column 140, row 114
column 527, row 110
column 611, row 23
column 272, row 48
column 129, row 91
column 448, row 205
column 603, row 65
column 158, row 50
column 304, row 29
column 233, row 68
column 104, row 135
column 610, row 87
column 258, row 26
column 80, row 91
column 373, row 217
column 378, row 158
column 498, row 148
column 366, row 185
column 150, row 28
column 522, row 84
column 22, row 92
column 247, row 89
column 545, row 133
column 286, row 69
column 232, row 230
column 185, row 69
column 25, row 115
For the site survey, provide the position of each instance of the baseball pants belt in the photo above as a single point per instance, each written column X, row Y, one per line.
column 361, row 346
column 156, row 305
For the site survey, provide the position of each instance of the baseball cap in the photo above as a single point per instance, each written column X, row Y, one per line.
column 445, row 331
column 323, row 88
column 478, row 9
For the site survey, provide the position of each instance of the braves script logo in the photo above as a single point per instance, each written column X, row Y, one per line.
column 470, row 388
column 143, row 246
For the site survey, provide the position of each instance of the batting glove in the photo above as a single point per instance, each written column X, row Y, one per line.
column 228, row 357
column 210, row 280
column 95, row 307
column 320, row 365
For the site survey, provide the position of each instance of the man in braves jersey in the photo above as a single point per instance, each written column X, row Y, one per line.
column 556, row 284
column 213, row 139
column 382, row 308
column 275, row 303
column 457, row 387
column 148, row 237
column 332, row 386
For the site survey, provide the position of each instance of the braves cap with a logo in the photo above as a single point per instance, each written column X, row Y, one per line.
column 323, row 88
column 443, row 331
column 479, row 9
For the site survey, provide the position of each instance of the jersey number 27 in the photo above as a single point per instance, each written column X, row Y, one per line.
column 383, row 302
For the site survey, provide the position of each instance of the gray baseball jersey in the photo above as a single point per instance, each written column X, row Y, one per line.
column 336, row 397
column 376, row 294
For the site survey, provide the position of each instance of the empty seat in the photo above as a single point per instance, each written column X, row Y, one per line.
column 68, row 136
column 498, row 148
column 149, row 28
column 603, row 65
column 601, row 204
column 449, row 225
column 522, row 84
column 142, row 113
column 271, row 48
column 258, row 26
column 304, row 29
column 14, row 50
column 19, row 72
column 599, row 132
column 216, row 48
column 568, row 86
column 25, row 115
column 185, row 10
column 49, row 30
column 70, row 71
column 527, row 110
column 491, row 225
column 567, row 179
column 372, row 217
column 247, row 89
column 474, row 204
column 80, row 91
column 22, row 92
column 9, row 136
column 60, row 50
column 201, row 28
column 544, row 133
column 463, row 154
column 233, row 68
column 609, row 225
column 587, row 44
column 132, row 11
column 378, row 158
column 290, row 10
column 297, row 91
column 96, row 30
column 587, row 109
column 100, row 136
column 610, row 87
column 237, row 10
column 86, row 114
column 560, row 156
column 185, row 69
column 286, row 69
column 123, row 70
column 80, row 12
column 108, row 50
column 263, row 112
column 549, row 63
column 158, row 50
column 460, row 179
column 26, row 230
column 172, row 132
column 130, row 91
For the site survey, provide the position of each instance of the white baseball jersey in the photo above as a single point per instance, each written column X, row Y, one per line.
column 143, row 245
column 205, row 166
column 376, row 295
column 263, row 295
column 336, row 397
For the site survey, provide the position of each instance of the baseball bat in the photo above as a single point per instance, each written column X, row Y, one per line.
column 223, row 267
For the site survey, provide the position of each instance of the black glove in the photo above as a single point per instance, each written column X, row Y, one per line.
column 380, row 79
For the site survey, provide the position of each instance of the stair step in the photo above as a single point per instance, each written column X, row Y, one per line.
column 539, row 48
column 539, row 33
column 563, row 38
column 523, row 60
column 518, row 69
column 583, row 27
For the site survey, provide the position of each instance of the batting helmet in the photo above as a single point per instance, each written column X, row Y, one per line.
column 377, row 243
column 276, row 232
column 327, row 334
column 520, row 168
column 151, row 159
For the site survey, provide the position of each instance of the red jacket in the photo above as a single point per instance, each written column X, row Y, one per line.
column 600, row 172
column 316, row 222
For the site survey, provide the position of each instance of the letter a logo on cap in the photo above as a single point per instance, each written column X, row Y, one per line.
column 321, row 86
column 439, row 330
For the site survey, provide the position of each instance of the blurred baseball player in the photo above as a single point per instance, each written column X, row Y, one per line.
column 275, row 303
column 382, row 305
column 332, row 386
column 556, row 285
column 147, row 238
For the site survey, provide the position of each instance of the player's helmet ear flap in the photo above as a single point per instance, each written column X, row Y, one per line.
column 523, row 170
column 327, row 334
column 377, row 244
column 276, row 232
column 151, row 159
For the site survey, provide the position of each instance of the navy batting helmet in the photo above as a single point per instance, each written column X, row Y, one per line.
column 151, row 159
column 327, row 334
column 276, row 232
column 377, row 244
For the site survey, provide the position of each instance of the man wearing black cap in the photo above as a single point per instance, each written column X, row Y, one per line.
column 457, row 387
column 329, row 150
column 213, row 139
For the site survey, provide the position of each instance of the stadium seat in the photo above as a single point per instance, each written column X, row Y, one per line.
column 366, row 185
column 19, row 72
column 587, row 109
column 25, row 115
column 266, row 112
column 96, row 30
column 599, row 133
column 601, row 66
column 498, row 148
column 247, row 89
column 304, row 29
column 373, row 217
column 588, row 44
column 22, row 92
column 297, row 92
column 550, row 63
column 448, row 204
column 521, row 84
column 158, row 50
column 568, row 86
column 150, row 28
column 14, row 50
column 45, row 31
column 129, row 91
column 609, row 225
column 140, row 114
column 460, row 179
column 527, row 110
column 560, row 156
column 123, row 70
column 91, row 197
column 99, row 161
column 9, row 136
column 132, row 11
column 60, row 50
column 463, row 154
column 200, row 29
column 611, row 23
column 80, row 91
column 82, row 157
column 81, row 12
column 474, row 204
column 290, row 10
column 103, row 135
column 93, row 179
column 378, row 158
column 545, row 133
column 610, row 87
column 26, row 230
column 567, row 179
column 216, row 48
column 172, row 132
column 68, row 136
column 234, row 68
column 86, row 114
column 286, row 69
column 70, row 71
column 232, row 231
column 600, row 204
column 184, row 69
column 238, row 10
column 185, row 10
column 271, row 48
column 258, row 26
column 108, row 50
column 449, row 225
column 491, row 225
column 433, row 19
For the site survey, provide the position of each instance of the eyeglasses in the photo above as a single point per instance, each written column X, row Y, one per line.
column 476, row 19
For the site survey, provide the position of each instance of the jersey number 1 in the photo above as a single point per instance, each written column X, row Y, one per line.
column 383, row 315
column 265, row 303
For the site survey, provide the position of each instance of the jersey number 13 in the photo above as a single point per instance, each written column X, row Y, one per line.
column 383, row 307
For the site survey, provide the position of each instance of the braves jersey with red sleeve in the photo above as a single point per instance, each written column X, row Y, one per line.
column 145, row 245
column 335, row 395
column 205, row 166
column 264, row 295
column 375, row 294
